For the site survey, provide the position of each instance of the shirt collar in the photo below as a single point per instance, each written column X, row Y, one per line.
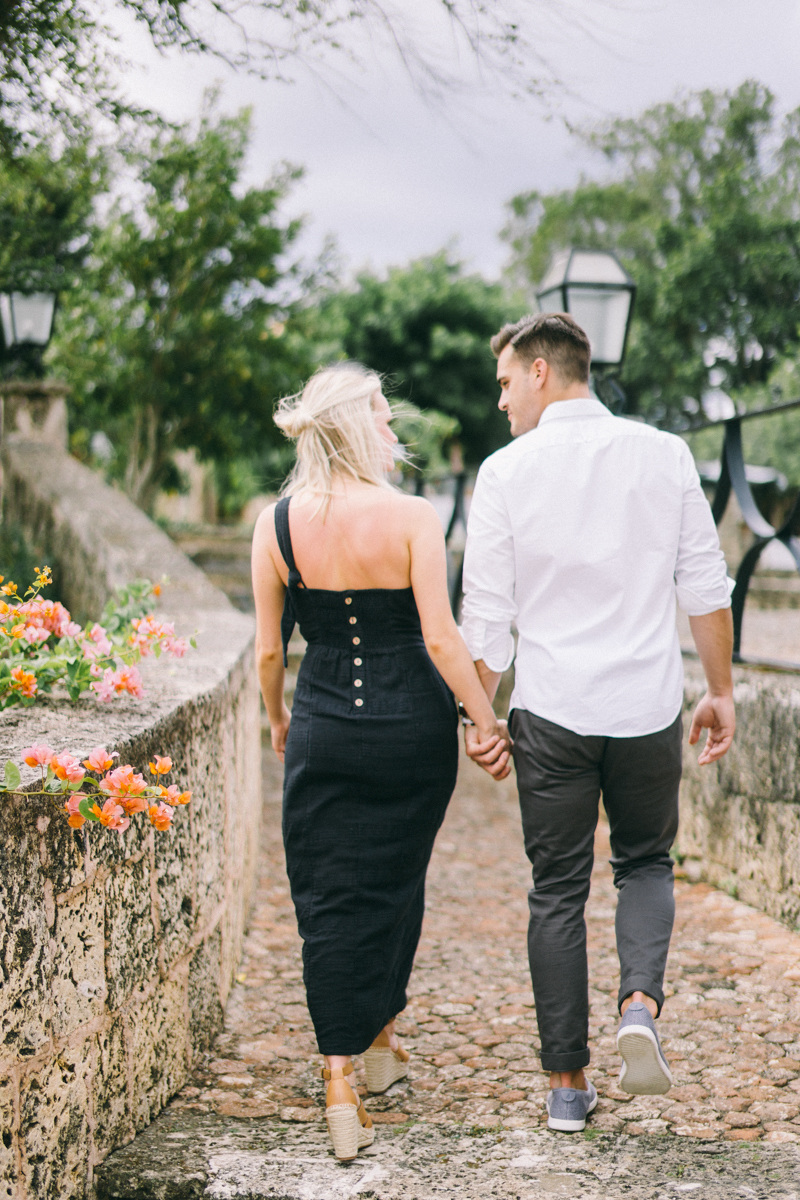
column 582, row 407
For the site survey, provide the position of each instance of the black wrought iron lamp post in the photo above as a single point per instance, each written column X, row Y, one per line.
column 30, row 405
column 594, row 288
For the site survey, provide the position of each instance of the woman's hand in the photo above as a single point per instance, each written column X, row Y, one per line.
column 279, row 731
column 490, row 748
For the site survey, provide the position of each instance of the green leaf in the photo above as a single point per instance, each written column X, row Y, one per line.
column 85, row 809
column 75, row 785
column 12, row 776
column 157, row 649
column 193, row 643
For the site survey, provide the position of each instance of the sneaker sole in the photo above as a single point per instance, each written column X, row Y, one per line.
column 564, row 1126
column 644, row 1072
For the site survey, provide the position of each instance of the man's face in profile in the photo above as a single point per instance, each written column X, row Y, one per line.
column 520, row 390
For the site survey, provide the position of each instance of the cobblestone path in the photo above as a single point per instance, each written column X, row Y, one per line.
column 731, row 1024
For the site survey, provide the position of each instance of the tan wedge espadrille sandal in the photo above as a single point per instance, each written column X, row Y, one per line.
column 384, row 1066
column 349, row 1123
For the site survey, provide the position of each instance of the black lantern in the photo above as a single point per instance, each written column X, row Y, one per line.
column 27, row 319
column 594, row 288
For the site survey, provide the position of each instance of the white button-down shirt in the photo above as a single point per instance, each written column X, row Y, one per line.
column 585, row 531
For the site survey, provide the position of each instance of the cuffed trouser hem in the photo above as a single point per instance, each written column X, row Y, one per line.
column 565, row 1062
column 640, row 983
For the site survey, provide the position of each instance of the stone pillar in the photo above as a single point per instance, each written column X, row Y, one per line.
column 35, row 410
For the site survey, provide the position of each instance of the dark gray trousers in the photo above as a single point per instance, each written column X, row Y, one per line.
column 560, row 776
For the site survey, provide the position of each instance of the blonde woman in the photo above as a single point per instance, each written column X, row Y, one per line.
column 370, row 747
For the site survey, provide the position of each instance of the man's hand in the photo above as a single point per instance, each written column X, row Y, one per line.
column 493, row 753
column 718, row 715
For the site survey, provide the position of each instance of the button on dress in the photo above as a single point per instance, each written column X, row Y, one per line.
column 370, row 766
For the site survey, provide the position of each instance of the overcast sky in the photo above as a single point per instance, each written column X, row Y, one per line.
column 392, row 176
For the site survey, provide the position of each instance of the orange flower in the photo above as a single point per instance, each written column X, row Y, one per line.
column 111, row 815
column 156, row 588
column 123, row 783
column 37, row 755
column 162, row 766
column 133, row 804
column 173, row 796
column 23, row 682
column 8, row 589
column 160, row 816
column 99, row 760
column 75, row 818
column 66, row 767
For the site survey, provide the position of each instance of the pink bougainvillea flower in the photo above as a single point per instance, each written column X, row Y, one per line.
column 75, row 818
column 37, row 755
column 126, row 679
column 173, row 796
column 161, row 766
column 160, row 815
column 34, row 635
column 176, row 647
column 67, row 767
column 133, row 804
column 98, row 644
column 71, row 629
column 112, row 815
column 23, row 681
column 123, row 783
column 103, row 688
column 99, row 760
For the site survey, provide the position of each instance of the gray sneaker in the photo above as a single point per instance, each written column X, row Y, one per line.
column 568, row 1108
column 644, row 1068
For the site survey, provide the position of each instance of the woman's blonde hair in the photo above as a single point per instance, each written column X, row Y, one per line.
column 333, row 422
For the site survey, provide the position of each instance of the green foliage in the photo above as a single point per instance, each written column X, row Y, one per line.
column 426, row 327
column 46, row 202
column 704, row 214
column 171, row 338
column 429, row 437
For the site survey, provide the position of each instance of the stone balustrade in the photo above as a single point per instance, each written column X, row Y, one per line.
column 117, row 953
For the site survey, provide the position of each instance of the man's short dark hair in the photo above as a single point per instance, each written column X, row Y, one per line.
column 555, row 337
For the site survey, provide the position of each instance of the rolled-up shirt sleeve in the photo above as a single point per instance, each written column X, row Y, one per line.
column 701, row 575
column 489, row 608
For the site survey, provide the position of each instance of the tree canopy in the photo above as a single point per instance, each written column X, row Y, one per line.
column 703, row 209
column 173, row 335
column 427, row 328
column 58, row 57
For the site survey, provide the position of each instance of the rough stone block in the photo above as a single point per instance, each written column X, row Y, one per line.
column 131, row 938
column 156, row 1045
column 110, row 1101
column 78, row 985
column 54, row 1125
column 205, row 1010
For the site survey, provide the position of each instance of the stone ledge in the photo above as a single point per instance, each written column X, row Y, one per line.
column 186, row 1155
column 118, row 953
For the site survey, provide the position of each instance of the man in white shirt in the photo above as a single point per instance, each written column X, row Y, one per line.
column 584, row 532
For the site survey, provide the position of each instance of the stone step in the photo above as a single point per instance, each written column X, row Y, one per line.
column 185, row 1155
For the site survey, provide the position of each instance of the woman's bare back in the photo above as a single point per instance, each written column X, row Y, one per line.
column 362, row 541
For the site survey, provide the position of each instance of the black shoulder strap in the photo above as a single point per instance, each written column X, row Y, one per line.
column 282, row 532
column 289, row 618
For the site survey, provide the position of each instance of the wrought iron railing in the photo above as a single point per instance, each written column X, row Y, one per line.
column 732, row 478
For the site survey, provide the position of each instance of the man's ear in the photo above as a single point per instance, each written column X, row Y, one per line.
column 538, row 372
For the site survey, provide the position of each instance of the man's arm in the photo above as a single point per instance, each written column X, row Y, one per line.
column 713, row 637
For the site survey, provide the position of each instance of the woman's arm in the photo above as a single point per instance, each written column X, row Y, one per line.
column 442, row 639
column 269, row 591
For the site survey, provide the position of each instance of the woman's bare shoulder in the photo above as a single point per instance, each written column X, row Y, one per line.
column 264, row 530
column 418, row 511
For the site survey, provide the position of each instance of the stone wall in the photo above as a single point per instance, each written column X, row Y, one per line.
column 117, row 954
column 740, row 819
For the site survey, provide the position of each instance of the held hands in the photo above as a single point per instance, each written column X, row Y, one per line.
column 279, row 731
column 490, row 748
column 718, row 716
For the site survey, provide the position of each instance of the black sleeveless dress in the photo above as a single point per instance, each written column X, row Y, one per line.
column 371, row 762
